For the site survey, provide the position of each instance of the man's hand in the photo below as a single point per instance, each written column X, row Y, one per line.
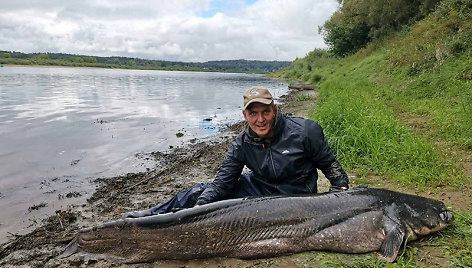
column 333, row 188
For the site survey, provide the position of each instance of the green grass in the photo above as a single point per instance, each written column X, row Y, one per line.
column 461, row 237
column 455, row 242
column 366, row 136
column 407, row 257
column 401, row 108
column 365, row 132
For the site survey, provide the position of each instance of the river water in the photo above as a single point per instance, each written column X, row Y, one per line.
column 61, row 127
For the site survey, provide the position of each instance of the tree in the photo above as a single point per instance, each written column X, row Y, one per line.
column 43, row 57
column 131, row 63
column 90, row 59
column 77, row 59
column 346, row 39
column 358, row 22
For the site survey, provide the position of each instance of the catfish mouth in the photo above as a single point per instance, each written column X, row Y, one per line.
column 446, row 216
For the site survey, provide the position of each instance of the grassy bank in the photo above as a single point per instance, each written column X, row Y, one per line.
column 400, row 112
column 401, row 108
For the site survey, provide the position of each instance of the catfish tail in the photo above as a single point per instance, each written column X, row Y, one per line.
column 71, row 249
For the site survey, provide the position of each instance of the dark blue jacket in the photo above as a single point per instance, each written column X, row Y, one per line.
column 286, row 164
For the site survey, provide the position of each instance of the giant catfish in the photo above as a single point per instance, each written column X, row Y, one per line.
column 354, row 221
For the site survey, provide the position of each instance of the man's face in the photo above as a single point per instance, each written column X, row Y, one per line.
column 260, row 118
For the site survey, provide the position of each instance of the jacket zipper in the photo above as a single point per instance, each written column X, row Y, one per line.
column 272, row 161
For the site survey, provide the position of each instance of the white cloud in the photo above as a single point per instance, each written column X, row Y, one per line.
column 183, row 30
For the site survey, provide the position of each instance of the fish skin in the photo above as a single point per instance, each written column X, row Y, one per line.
column 359, row 220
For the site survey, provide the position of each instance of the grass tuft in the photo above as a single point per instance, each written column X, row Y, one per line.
column 367, row 138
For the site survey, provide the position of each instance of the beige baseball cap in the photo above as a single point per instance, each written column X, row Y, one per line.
column 257, row 94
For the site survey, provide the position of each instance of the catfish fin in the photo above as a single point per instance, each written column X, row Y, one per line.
column 394, row 234
column 70, row 249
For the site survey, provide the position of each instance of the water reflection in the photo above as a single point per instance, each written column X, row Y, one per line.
column 98, row 119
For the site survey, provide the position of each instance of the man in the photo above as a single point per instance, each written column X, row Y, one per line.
column 283, row 153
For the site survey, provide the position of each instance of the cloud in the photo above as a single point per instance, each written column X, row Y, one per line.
column 181, row 30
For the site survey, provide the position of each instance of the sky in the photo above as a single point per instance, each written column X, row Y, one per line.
column 174, row 30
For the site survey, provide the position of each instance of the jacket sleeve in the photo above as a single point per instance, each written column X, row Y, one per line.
column 225, row 180
column 323, row 158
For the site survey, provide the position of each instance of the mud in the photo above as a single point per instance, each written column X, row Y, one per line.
column 176, row 169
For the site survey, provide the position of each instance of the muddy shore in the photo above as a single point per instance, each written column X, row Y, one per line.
column 176, row 169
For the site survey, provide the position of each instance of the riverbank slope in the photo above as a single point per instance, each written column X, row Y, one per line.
column 398, row 113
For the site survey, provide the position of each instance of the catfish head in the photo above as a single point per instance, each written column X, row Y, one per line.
column 422, row 216
column 409, row 217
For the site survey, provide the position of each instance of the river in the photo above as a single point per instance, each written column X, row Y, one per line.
column 62, row 127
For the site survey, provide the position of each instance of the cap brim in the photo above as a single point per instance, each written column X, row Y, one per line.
column 260, row 100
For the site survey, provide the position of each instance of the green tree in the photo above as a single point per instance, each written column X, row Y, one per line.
column 346, row 39
column 6, row 55
column 43, row 57
column 77, row 59
column 131, row 63
column 357, row 22
column 90, row 59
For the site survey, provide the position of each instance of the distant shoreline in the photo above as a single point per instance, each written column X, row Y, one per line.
column 106, row 67
column 99, row 67
column 11, row 58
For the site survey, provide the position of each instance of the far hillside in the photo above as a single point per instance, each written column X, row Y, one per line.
column 61, row 59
